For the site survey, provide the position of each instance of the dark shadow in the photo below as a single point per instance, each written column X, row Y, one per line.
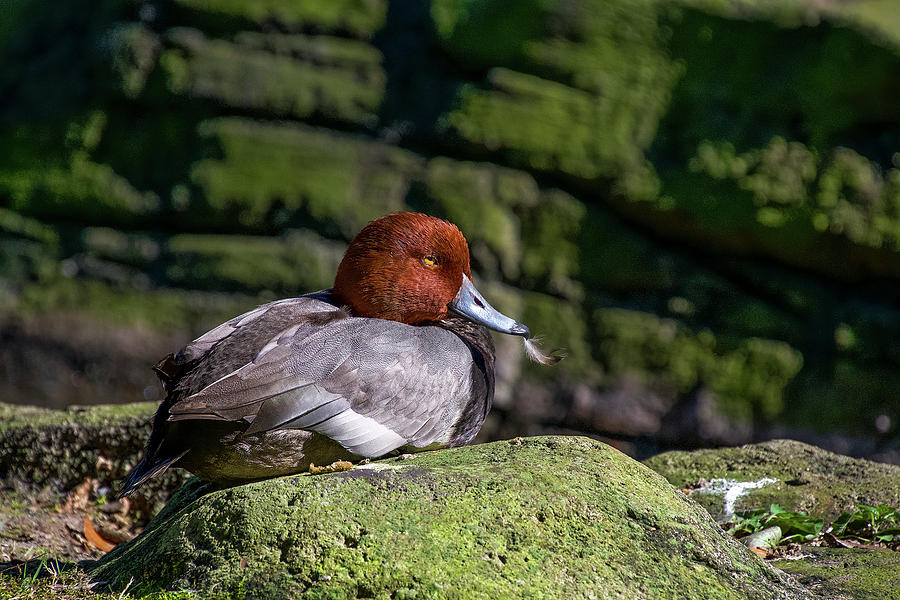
column 421, row 83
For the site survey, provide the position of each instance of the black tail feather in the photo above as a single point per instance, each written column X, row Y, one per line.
column 143, row 471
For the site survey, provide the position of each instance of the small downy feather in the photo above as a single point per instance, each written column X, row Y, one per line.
column 533, row 352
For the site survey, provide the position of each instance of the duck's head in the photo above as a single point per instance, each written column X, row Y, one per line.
column 414, row 268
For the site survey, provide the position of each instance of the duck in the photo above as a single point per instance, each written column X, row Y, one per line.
column 395, row 357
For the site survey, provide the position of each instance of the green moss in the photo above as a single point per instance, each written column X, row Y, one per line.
column 159, row 310
column 809, row 478
column 15, row 224
column 547, row 517
column 272, row 84
column 129, row 248
column 22, row 261
column 749, row 381
column 13, row 416
column 559, row 324
column 60, row 580
column 546, row 126
column 469, row 195
column 747, row 186
column 581, row 90
column 845, row 195
column 42, row 447
column 319, row 49
column 551, row 254
column 847, row 572
column 488, row 33
column 346, row 181
column 47, row 171
column 752, row 379
column 45, row 452
column 872, row 15
column 132, row 51
column 85, row 189
column 636, row 343
column 299, row 262
column 357, row 17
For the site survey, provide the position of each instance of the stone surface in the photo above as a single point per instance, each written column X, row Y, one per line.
column 806, row 478
column 560, row 517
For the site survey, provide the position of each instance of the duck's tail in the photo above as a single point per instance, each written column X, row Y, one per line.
column 144, row 470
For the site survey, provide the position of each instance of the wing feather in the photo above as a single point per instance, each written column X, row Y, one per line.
column 317, row 415
column 369, row 384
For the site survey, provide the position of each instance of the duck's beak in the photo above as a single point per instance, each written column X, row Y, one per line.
column 469, row 303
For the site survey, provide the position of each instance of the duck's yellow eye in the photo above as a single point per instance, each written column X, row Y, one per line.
column 429, row 261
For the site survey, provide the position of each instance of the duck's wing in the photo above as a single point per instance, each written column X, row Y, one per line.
column 371, row 385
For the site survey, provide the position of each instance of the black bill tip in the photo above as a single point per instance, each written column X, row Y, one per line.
column 520, row 329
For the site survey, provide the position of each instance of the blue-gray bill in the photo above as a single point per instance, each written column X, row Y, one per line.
column 469, row 303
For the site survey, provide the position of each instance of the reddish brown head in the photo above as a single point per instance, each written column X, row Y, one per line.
column 405, row 267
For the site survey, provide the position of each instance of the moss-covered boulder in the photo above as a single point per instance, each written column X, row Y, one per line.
column 794, row 475
column 555, row 517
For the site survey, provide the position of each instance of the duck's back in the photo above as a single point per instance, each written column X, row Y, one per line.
column 238, row 341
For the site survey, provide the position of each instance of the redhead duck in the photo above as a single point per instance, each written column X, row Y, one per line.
column 397, row 355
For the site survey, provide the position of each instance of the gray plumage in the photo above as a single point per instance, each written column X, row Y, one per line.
column 300, row 380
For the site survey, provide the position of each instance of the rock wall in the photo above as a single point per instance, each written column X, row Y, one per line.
column 699, row 200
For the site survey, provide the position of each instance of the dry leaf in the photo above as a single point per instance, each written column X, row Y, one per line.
column 95, row 538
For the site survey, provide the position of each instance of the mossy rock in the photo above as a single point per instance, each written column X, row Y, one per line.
column 845, row 572
column 806, row 478
column 691, row 144
column 347, row 182
column 293, row 264
column 40, row 447
column 360, row 18
column 251, row 77
column 748, row 380
column 160, row 310
column 551, row 517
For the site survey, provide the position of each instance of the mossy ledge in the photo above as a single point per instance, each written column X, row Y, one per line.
column 546, row 517
column 42, row 448
column 807, row 478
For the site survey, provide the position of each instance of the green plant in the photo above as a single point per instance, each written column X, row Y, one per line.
column 868, row 524
column 795, row 526
column 872, row 524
